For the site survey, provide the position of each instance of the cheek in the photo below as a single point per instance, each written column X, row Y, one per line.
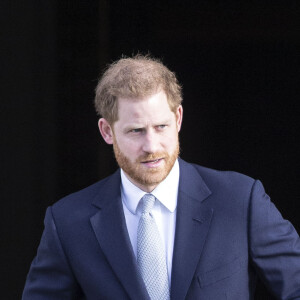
column 129, row 147
column 170, row 140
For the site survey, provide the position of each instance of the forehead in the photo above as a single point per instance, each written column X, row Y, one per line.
column 154, row 107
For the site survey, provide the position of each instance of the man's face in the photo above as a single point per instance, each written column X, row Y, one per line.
column 145, row 139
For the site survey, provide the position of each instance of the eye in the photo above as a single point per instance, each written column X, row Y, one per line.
column 136, row 130
column 161, row 126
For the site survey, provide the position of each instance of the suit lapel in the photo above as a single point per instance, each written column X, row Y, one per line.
column 192, row 225
column 110, row 228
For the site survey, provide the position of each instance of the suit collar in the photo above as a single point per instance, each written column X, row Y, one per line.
column 191, row 182
column 192, row 226
column 108, row 191
column 110, row 229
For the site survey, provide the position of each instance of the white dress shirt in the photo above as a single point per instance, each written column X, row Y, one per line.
column 164, row 210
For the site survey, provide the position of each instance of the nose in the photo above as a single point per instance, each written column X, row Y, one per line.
column 151, row 142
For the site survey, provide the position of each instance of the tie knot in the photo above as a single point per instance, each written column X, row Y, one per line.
column 147, row 203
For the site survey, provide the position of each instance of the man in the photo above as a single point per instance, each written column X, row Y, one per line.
column 160, row 228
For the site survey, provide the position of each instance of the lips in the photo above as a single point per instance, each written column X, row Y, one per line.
column 152, row 163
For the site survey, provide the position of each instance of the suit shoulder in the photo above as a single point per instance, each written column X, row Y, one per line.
column 222, row 173
column 82, row 198
column 225, row 178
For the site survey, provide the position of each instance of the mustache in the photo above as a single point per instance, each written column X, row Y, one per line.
column 152, row 156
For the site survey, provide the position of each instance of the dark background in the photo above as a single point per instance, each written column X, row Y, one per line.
column 238, row 63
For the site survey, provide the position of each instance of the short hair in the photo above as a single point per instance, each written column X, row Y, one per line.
column 135, row 77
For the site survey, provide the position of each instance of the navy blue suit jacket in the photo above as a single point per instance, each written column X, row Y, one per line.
column 227, row 233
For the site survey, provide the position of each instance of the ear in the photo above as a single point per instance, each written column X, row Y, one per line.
column 179, row 115
column 106, row 131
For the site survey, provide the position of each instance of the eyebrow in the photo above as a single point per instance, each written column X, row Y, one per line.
column 137, row 125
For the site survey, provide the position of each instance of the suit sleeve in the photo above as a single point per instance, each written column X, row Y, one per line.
column 274, row 246
column 50, row 276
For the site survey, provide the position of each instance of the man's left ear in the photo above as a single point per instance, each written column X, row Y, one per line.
column 106, row 131
column 179, row 115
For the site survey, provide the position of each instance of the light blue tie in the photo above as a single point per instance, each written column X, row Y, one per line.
column 150, row 254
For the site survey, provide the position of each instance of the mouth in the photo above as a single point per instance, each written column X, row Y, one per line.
column 152, row 163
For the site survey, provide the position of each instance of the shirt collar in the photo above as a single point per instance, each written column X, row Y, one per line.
column 166, row 192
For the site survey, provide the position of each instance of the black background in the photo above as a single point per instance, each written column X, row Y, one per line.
column 238, row 63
